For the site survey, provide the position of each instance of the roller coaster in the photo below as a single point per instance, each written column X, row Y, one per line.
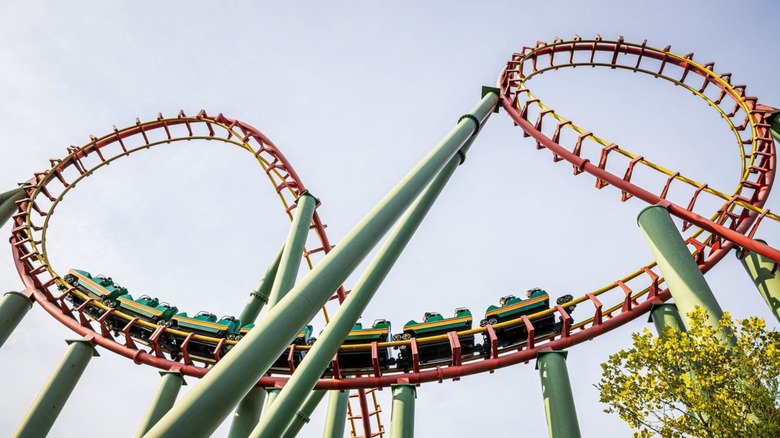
column 206, row 338
column 151, row 332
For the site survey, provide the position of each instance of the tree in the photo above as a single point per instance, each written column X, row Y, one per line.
column 693, row 384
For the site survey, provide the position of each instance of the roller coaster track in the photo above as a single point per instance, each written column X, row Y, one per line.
column 47, row 189
column 709, row 235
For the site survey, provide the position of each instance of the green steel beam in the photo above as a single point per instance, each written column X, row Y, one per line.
column 666, row 315
column 287, row 264
column 331, row 338
column 170, row 384
column 271, row 397
column 336, row 418
column 556, row 391
column 259, row 297
column 247, row 413
column 292, row 253
column 50, row 401
column 204, row 407
column 759, row 269
column 13, row 307
column 683, row 277
column 250, row 407
column 402, row 416
column 304, row 415
column 8, row 203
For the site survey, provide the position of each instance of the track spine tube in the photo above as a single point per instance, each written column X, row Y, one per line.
column 336, row 418
column 304, row 414
column 13, row 308
column 322, row 352
column 259, row 297
column 204, row 407
column 170, row 384
column 50, row 401
column 764, row 275
column 402, row 415
column 666, row 315
column 683, row 277
column 556, row 392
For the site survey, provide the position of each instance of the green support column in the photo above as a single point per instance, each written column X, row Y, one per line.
column 304, row 415
column 402, row 416
column 666, row 315
column 292, row 253
column 683, row 277
column 287, row 264
column 13, row 307
column 47, row 406
column 163, row 399
column 556, row 391
column 8, row 204
column 247, row 413
column 768, row 283
column 271, row 396
column 204, row 407
column 331, row 338
column 250, row 407
column 259, row 297
column 336, row 418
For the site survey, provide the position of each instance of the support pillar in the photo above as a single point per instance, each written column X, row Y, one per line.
column 402, row 416
column 247, row 413
column 331, row 338
column 336, row 418
column 292, row 253
column 47, row 406
column 304, row 414
column 556, row 391
column 250, row 407
column 666, row 315
column 683, row 277
column 8, row 203
column 232, row 377
column 270, row 398
column 259, row 297
column 163, row 399
column 13, row 307
column 285, row 270
column 759, row 268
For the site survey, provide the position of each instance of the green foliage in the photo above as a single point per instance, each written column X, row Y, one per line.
column 694, row 384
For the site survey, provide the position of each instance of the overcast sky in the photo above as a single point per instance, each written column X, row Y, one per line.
column 354, row 95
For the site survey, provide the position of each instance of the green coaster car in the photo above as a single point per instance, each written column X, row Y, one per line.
column 361, row 359
column 104, row 290
column 100, row 288
column 145, row 308
column 204, row 324
column 434, row 324
column 511, row 308
column 148, row 308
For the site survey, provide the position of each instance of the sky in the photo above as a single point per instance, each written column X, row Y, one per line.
column 354, row 94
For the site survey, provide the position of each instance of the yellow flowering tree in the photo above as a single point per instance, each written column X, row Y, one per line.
column 693, row 384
